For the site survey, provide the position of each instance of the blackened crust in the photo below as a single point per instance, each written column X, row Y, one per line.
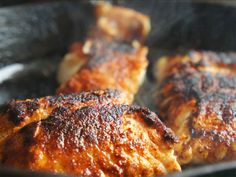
column 83, row 97
column 92, row 125
column 103, row 50
column 210, row 79
column 19, row 111
column 152, row 120
column 89, row 133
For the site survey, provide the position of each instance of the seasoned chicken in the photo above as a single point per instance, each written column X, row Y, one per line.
column 121, row 23
column 17, row 114
column 111, row 57
column 108, row 65
column 89, row 134
column 197, row 99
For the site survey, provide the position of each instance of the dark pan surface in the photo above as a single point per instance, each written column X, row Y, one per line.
column 8, row 172
column 33, row 39
column 32, row 31
column 36, row 36
column 218, row 170
column 226, row 169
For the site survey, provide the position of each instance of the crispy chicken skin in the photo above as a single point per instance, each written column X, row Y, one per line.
column 197, row 100
column 90, row 134
column 111, row 57
column 17, row 114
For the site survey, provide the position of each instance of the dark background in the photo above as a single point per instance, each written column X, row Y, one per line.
column 17, row 2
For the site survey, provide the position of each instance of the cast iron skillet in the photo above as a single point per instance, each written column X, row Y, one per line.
column 34, row 37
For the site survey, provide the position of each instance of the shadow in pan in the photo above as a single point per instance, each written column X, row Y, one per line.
column 9, row 172
column 226, row 169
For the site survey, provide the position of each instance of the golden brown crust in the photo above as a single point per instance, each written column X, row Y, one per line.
column 94, row 135
column 111, row 57
column 197, row 99
column 17, row 114
column 109, row 65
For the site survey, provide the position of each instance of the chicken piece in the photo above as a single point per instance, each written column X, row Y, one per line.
column 108, row 65
column 197, row 100
column 90, row 134
column 17, row 114
column 121, row 23
column 111, row 57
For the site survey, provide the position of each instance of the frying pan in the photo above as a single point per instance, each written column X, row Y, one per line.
column 34, row 38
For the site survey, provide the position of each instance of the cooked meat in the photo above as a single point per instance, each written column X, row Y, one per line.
column 111, row 57
column 197, row 99
column 108, row 65
column 122, row 23
column 89, row 134
column 17, row 114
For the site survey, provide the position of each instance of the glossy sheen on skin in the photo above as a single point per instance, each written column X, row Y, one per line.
column 92, row 134
column 197, row 100
column 108, row 59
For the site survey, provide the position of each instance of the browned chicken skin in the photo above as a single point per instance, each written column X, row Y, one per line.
column 89, row 134
column 17, row 114
column 111, row 57
column 197, row 99
column 107, row 68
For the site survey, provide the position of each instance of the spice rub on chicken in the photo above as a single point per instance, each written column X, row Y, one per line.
column 112, row 56
column 89, row 134
column 197, row 100
column 18, row 113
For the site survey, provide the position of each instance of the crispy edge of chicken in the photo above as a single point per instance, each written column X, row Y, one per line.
column 90, row 134
column 196, row 98
column 18, row 113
